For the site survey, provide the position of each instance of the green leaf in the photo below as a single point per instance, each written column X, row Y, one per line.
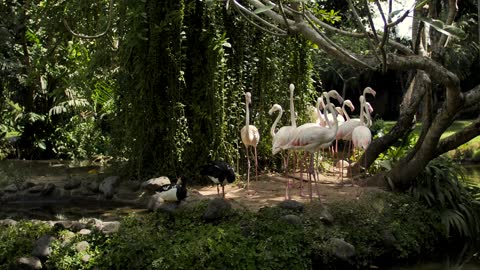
column 263, row 9
column 41, row 145
column 421, row 4
column 448, row 30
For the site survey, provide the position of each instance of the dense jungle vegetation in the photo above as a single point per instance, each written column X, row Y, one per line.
column 160, row 88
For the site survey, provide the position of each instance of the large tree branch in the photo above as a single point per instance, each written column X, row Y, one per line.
column 455, row 140
column 436, row 71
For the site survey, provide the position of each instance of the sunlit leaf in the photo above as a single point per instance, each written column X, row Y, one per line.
column 263, row 9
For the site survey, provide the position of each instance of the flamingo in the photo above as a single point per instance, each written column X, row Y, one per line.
column 313, row 137
column 349, row 103
column 329, row 117
column 361, row 135
column 345, row 130
column 280, row 138
column 250, row 137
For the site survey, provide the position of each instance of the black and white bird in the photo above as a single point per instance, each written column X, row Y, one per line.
column 174, row 192
column 220, row 172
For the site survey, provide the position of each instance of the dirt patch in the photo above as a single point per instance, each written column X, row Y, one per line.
column 270, row 189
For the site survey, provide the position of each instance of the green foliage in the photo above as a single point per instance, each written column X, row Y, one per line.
column 384, row 228
column 442, row 185
column 81, row 138
column 17, row 240
column 190, row 102
column 64, row 254
column 184, row 241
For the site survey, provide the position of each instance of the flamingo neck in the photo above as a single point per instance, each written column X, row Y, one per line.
column 247, row 115
column 347, row 117
column 362, row 110
column 331, row 108
column 274, row 125
column 292, row 110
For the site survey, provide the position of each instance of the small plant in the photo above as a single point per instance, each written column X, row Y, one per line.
column 442, row 185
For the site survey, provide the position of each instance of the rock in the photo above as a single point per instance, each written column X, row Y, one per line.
column 342, row 249
column 67, row 237
column 155, row 183
column 293, row 220
column 107, row 186
column 155, row 202
column 110, row 227
column 85, row 258
column 28, row 263
column 8, row 222
column 82, row 246
column 77, row 226
column 92, row 186
column 216, row 209
column 72, row 184
column 41, row 248
column 389, row 240
column 48, row 189
column 26, row 185
column 325, row 216
column 95, row 223
column 85, row 232
column 12, row 188
column 36, row 188
column 131, row 186
column 291, row 205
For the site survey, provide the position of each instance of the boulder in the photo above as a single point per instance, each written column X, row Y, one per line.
column 342, row 249
column 110, row 227
column 72, row 184
column 292, row 220
column 82, row 246
column 291, row 205
column 155, row 183
column 48, row 189
column 216, row 209
column 107, row 186
column 12, row 188
column 29, row 263
column 41, row 247
column 36, row 188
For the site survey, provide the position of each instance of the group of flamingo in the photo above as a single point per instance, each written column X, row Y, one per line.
column 332, row 125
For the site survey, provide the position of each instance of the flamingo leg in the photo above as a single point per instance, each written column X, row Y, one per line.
column 248, row 168
column 256, row 163
column 218, row 191
column 223, row 191
column 310, row 172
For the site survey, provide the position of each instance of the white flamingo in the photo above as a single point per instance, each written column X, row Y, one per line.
column 361, row 135
column 348, row 103
column 345, row 130
column 280, row 139
column 250, row 137
column 311, row 138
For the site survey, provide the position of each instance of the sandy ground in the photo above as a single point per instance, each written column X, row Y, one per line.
column 270, row 189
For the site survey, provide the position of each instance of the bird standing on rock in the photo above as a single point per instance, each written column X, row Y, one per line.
column 220, row 172
column 174, row 192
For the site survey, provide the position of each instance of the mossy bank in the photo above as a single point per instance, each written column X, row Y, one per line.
column 379, row 230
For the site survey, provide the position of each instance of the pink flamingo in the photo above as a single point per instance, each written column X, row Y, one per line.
column 250, row 137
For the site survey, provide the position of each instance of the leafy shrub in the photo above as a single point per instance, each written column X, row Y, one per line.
column 384, row 228
column 442, row 186
column 17, row 241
